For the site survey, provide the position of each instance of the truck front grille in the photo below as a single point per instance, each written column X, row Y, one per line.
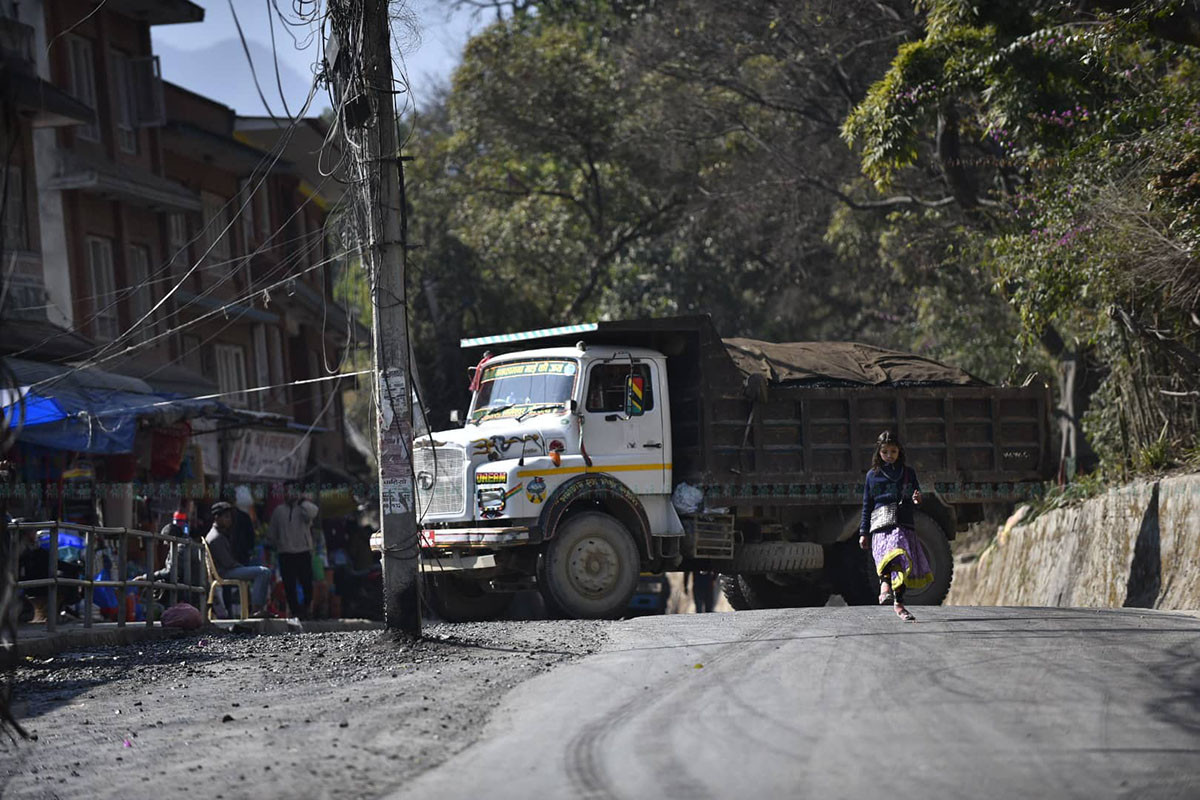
column 439, row 478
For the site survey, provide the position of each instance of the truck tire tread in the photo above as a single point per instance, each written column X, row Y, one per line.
column 778, row 557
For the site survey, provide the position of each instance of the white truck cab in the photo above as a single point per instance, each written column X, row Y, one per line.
column 546, row 430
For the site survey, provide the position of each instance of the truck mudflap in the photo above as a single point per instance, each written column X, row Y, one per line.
column 777, row 557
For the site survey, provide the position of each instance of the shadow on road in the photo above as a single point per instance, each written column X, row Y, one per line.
column 1145, row 572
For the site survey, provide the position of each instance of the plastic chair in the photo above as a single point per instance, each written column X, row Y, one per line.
column 218, row 582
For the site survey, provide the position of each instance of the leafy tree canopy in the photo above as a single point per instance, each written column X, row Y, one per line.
column 1019, row 191
column 1067, row 132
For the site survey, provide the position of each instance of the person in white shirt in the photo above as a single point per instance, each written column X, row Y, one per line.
column 290, row 532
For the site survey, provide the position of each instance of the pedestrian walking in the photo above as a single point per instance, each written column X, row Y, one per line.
column 890, row 495
column 290, row 532
column 704, row 589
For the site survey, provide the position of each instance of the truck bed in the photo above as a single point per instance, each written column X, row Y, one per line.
column 740, row 435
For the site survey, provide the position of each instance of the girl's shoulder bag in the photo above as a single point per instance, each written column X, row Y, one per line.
column 886, row 516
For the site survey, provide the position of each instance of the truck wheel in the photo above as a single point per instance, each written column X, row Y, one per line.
column 853, row 573
column 745, row 592
column 731, row 587
column 937, row 551
column 590, row 568
column 461, row 600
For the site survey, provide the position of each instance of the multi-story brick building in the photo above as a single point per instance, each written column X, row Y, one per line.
column 30, row 106
column 156, row 235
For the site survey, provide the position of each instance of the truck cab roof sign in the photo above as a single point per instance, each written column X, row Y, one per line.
column 504, row 338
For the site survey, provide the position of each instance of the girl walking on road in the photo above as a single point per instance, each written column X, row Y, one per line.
column 888, row 530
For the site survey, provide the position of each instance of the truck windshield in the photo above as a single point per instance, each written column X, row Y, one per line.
column 517, row 388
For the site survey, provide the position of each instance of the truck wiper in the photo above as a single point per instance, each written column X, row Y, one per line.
column 495, row 409
column 541, row 407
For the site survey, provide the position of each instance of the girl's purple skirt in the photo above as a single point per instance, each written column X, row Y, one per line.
column 901, row 547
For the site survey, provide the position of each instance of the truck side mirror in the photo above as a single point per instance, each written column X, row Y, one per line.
column 635, row 388
column 455, row 417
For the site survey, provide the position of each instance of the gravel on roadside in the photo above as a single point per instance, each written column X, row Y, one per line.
column 302, row 715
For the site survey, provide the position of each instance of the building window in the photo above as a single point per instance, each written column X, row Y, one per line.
column 316, row 390
column 276, row 362
column 140, row 296
column 262, row 369
column 262, row 208
column 177, row 239
column 304, row 243
column 145, row 90
column 216, row 237
column 246, row 210
column 231, row 373
column 16, row 234
column 124, row 103
column 107, row 324
column 82, row 81
column 190, row 355
column 246, row 203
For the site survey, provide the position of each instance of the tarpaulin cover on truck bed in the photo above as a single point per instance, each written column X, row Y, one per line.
column 824, row 363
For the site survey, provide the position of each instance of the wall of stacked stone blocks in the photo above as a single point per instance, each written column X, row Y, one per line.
column 1135, row 546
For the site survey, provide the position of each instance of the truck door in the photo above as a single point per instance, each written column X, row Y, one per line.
column 631, row 448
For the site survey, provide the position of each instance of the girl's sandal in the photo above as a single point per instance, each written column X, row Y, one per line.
column 885, row 594
column 905, row 614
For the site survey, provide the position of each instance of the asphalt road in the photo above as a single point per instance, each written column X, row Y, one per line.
column 851, row 702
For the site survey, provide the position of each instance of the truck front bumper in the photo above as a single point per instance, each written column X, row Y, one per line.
column 486, row 538
column 457, row 562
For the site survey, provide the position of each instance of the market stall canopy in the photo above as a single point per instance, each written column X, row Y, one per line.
column 86, row 409
column 842, row 363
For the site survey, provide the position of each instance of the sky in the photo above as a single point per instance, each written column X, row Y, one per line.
column 208, row 57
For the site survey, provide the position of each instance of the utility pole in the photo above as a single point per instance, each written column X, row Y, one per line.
column 363, row 68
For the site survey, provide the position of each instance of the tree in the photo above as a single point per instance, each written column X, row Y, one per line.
column 1063, row 133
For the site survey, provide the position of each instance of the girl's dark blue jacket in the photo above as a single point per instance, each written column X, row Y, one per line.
column 881, row 487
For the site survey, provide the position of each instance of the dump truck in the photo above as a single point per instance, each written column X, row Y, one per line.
column 590, row 454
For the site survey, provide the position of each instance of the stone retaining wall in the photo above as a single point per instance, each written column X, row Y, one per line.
column 1135, row 546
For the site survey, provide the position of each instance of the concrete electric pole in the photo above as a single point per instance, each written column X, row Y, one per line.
column 363, row 68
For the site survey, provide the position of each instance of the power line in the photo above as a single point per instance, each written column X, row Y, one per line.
column 219, row 267
column 49, row 382
column 231, row 393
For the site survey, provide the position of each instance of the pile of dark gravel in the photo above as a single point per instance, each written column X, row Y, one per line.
column 347, row 714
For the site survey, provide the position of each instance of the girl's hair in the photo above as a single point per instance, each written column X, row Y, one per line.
column 887, row 437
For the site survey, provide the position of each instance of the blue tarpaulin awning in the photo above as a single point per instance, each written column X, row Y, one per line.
column 86, row 409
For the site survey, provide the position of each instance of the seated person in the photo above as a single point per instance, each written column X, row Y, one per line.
column 228, row 568
column 191, row 567
column 34, row 564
